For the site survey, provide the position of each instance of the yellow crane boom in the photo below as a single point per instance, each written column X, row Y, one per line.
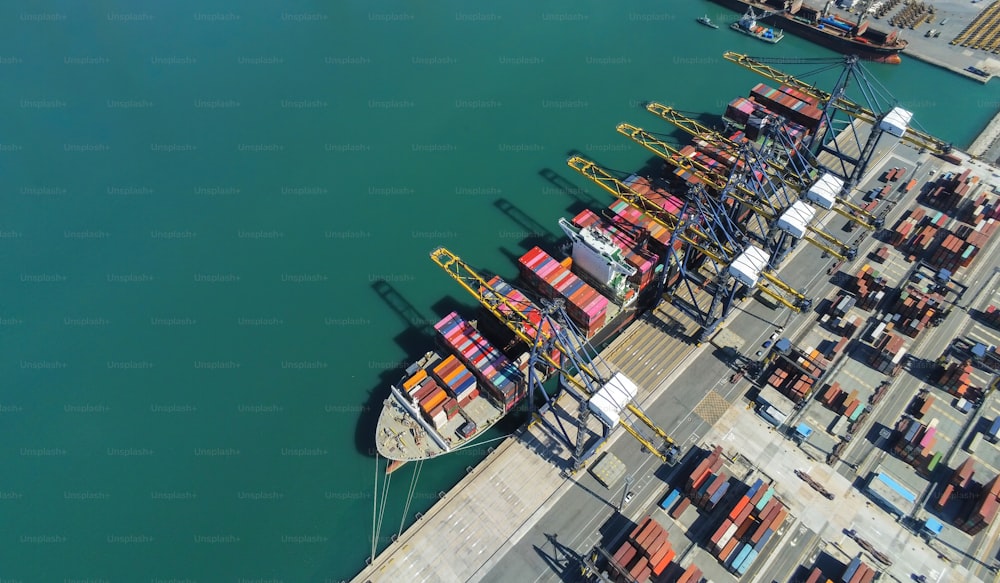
column 912, row 136
column 620, row 190
column 520, row 325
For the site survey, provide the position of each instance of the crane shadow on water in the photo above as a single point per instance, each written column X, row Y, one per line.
column 415, row 340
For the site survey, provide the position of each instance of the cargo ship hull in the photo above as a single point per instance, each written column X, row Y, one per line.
column 869, row 47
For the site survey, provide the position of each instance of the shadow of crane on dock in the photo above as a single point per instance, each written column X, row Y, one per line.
column 564, row 561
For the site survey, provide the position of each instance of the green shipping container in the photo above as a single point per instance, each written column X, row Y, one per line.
column 857, row 412
column 934, row 462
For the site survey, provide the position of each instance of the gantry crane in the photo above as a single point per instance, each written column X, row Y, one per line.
column 793, row 169
column 895, row 121
column 781, row 212
column 695, row 227
column 584, row 380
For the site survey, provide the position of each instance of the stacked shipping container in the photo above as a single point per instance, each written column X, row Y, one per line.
column 496, row 373
column 803, row 113
column 915, row 442
column 432, row 400
column 870, row 287
column 647, row 551
column 984, row 508
column 889, row 350
column 956, row 378
column 583, row 304
column 915, row 309
column 748, row 527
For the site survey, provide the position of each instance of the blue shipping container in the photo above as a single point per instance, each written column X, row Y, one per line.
column 737, row 557
column 763, row 540
column 747, row 562
column 670, row 500
column 719, row 494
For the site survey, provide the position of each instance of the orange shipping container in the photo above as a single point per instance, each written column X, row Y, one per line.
column 664, row 562
column 416, row 378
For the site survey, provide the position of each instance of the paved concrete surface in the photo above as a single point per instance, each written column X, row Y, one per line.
column 937, row 51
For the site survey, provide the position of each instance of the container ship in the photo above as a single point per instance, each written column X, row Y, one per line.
column 611, row 270
column 479, row 373
column 824, row 28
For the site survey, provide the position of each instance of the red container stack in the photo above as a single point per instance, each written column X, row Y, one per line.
column 870, row 287
column 956, row 378
column 583, row 304
column 647, row 551
column 659, row 236
column 984, row 509
column 784, row 104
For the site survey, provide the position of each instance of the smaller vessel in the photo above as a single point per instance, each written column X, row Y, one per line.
column 747, row 24
column 707, row 21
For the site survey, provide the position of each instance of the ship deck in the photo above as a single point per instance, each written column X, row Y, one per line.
column 397, row 430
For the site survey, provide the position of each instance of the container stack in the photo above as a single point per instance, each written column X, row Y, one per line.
column 834, row 349
column 584, row 305
column 432, row 400
column 984, row 509
column 923, row 240
column 495, row 372
column 914, row 310
column 724, row 157
column 915, row 442
column 809, row 116
column 870, row 286
column 921, row 405
column 888, row 355
column 633, row 250
column 833, row 397
column 948, row 191
column 456, row 379
column 659, row 236
column 816, row 576
column 515, row 300
column 962, row 477
column 691, row 575
column 858, row 572
column 647, row 551
column 956, row 378
column 906, row 227
column 748, row 527
column 707, row 485
column 953, row 253
column 981, row 208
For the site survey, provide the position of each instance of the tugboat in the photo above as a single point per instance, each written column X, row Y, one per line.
column 707, row 21
column 747, row 24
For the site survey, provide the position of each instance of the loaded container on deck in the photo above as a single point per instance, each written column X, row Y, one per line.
column 496, row 373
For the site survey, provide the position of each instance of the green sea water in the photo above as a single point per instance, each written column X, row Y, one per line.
column 199, row 200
